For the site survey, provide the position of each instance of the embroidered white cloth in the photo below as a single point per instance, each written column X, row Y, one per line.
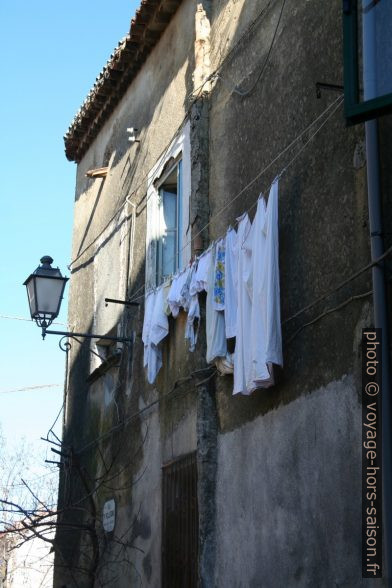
column 215, row 320
column 219, row 282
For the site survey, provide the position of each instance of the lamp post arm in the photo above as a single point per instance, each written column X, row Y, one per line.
column 86, row 335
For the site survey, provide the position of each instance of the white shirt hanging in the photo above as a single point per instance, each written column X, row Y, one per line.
column 193, row 309
column 148, row 310
column 242, row 354
column 202, row 270
column 175, row 298
column 155, row 328
column 160, row 322
column 231, row 266
column 265, row 326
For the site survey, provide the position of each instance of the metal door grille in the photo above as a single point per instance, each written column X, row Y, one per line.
column 180, row 523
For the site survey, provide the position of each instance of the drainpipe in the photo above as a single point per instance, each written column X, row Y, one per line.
column 378, row 274
column 380, row 321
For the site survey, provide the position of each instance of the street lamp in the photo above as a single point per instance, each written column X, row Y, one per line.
column 45, row 288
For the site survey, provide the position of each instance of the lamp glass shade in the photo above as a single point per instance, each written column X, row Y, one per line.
column 30, row 285
column 49, row 294
column 45, row 288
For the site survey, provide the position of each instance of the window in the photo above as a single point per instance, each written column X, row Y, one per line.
column 168, row 247
column 367, row 59
column 168, row 254
column 180, row 523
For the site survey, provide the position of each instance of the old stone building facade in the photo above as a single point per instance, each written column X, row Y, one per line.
column 205, row 488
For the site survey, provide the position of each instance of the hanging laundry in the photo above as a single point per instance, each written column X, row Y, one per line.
column 225, row 365
column 219, row 283
column 160, row 323
column 155, row 328
column 175, row 298
column 240, row 274
column 231, row 266
column 242, row 353
column 166, row 290
column 193, row 286
column 215, row 320
column 184, row 294
column 202, row 270
column 148, row 310
column 265, row 326
column 193, row 310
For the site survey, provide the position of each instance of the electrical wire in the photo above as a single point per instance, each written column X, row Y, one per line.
column 327, row 312
column 30, row 388
column 227, row 58
column 191, row 96
column 339, row 286
column 132, row 193
column 135, row 415
column 29, row 320
column 331, row 109
column 266, row 61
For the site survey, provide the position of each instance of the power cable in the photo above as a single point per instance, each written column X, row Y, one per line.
column 135, row 415
column 332, row 108
column 192, row 97
column 29, row 320
column 132, row 193
column 327, row 312
column 30, row 388
column 339, row 286
column 251, row 89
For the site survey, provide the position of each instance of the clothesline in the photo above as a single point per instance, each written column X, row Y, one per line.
column 331, row 108
column 197, row 258
column 240, row 274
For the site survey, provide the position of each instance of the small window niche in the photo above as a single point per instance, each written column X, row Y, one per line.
column 367, row 26
column 107, row 355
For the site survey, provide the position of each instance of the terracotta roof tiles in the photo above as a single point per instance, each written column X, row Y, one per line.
column 151, row 19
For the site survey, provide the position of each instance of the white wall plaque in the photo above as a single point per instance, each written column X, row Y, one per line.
column 109, row 515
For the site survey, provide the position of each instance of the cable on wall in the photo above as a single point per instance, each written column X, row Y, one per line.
column 193, row 99
column 250, row 90
column 331, row 109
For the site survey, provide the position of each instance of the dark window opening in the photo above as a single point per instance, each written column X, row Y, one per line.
column 180, row 524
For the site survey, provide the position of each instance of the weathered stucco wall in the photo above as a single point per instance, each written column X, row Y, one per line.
column 279, row 471
column 289, row 495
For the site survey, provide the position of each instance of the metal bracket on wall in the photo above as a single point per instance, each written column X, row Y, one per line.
column 125, row 302
column 330, row 87
column 65, row 345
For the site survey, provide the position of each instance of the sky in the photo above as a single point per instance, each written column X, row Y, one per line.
column 51, row 54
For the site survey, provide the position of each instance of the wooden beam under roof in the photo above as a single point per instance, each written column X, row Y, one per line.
column 100, row 172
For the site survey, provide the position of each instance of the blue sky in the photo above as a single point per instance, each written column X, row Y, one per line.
column 51, row 54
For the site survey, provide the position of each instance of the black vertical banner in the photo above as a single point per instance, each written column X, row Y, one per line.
column 371, row 454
